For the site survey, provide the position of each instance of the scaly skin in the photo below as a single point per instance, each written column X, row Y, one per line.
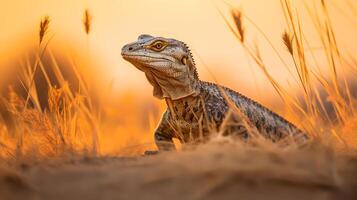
column 197, row 108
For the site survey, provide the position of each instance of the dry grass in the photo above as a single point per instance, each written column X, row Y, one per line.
column 70, row 130
column 318, row 121
column 44, row 25
column 71, row 122
column 87, row 21
column 68, row 126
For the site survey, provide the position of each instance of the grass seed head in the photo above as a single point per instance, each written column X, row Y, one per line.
column 44, row 24
column 287, row 39
column 87, row 20
column 237, row 17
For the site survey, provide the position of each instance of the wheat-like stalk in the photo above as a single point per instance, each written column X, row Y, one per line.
column 44, row 25
column 287, row 39
column 87, row 21
column 237, row 17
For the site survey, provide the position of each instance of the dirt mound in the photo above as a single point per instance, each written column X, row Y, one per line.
column 15, row 186
column 209, row 172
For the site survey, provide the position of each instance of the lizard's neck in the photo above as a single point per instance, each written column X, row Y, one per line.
column 174, row 88
column 192, row 102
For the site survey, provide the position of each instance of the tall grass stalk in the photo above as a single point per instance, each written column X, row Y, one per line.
column 334, row 85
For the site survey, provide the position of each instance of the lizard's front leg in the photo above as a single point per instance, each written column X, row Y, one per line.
column 163, row 143
column 163, row 137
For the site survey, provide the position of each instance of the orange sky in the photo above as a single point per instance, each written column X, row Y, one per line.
column 197, row 22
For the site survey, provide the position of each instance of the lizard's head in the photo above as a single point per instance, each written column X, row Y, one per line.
column 167, row 63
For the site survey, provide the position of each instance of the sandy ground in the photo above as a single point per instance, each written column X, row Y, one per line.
column 209, row 172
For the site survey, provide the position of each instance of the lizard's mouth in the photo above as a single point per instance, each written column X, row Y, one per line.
column 148, row 63
column 144, row 58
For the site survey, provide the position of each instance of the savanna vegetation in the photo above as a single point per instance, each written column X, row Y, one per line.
column 53, row 138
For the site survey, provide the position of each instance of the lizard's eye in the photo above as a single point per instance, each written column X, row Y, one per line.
column 158, row 46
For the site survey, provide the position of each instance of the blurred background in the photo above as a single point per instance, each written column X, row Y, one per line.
column 121, row 89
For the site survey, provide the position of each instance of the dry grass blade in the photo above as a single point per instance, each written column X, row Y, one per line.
column 255, row 55
column 262, row 33
column 44, row 25
column 87, row 21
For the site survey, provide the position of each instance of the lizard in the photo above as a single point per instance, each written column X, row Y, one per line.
column 196, row 107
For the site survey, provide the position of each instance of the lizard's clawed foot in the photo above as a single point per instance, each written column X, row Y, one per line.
column 150, row 153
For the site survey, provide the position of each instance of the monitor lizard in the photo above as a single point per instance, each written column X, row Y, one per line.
column 195, row 108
